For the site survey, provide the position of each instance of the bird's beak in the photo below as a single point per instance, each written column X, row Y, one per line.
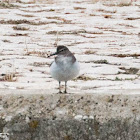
column 52, row 54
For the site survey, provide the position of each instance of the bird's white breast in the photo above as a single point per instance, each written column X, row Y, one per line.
column 64, row 69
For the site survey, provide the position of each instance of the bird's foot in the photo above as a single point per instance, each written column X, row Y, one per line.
column 60, row 92
column 65, row 92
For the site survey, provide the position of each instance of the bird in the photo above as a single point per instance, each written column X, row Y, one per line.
column 65, row 66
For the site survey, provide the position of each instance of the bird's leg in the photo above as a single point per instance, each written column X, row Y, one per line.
column 65, row 87
column 60, row 87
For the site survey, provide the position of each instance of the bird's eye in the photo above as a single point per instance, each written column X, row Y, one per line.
column 61, row 50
